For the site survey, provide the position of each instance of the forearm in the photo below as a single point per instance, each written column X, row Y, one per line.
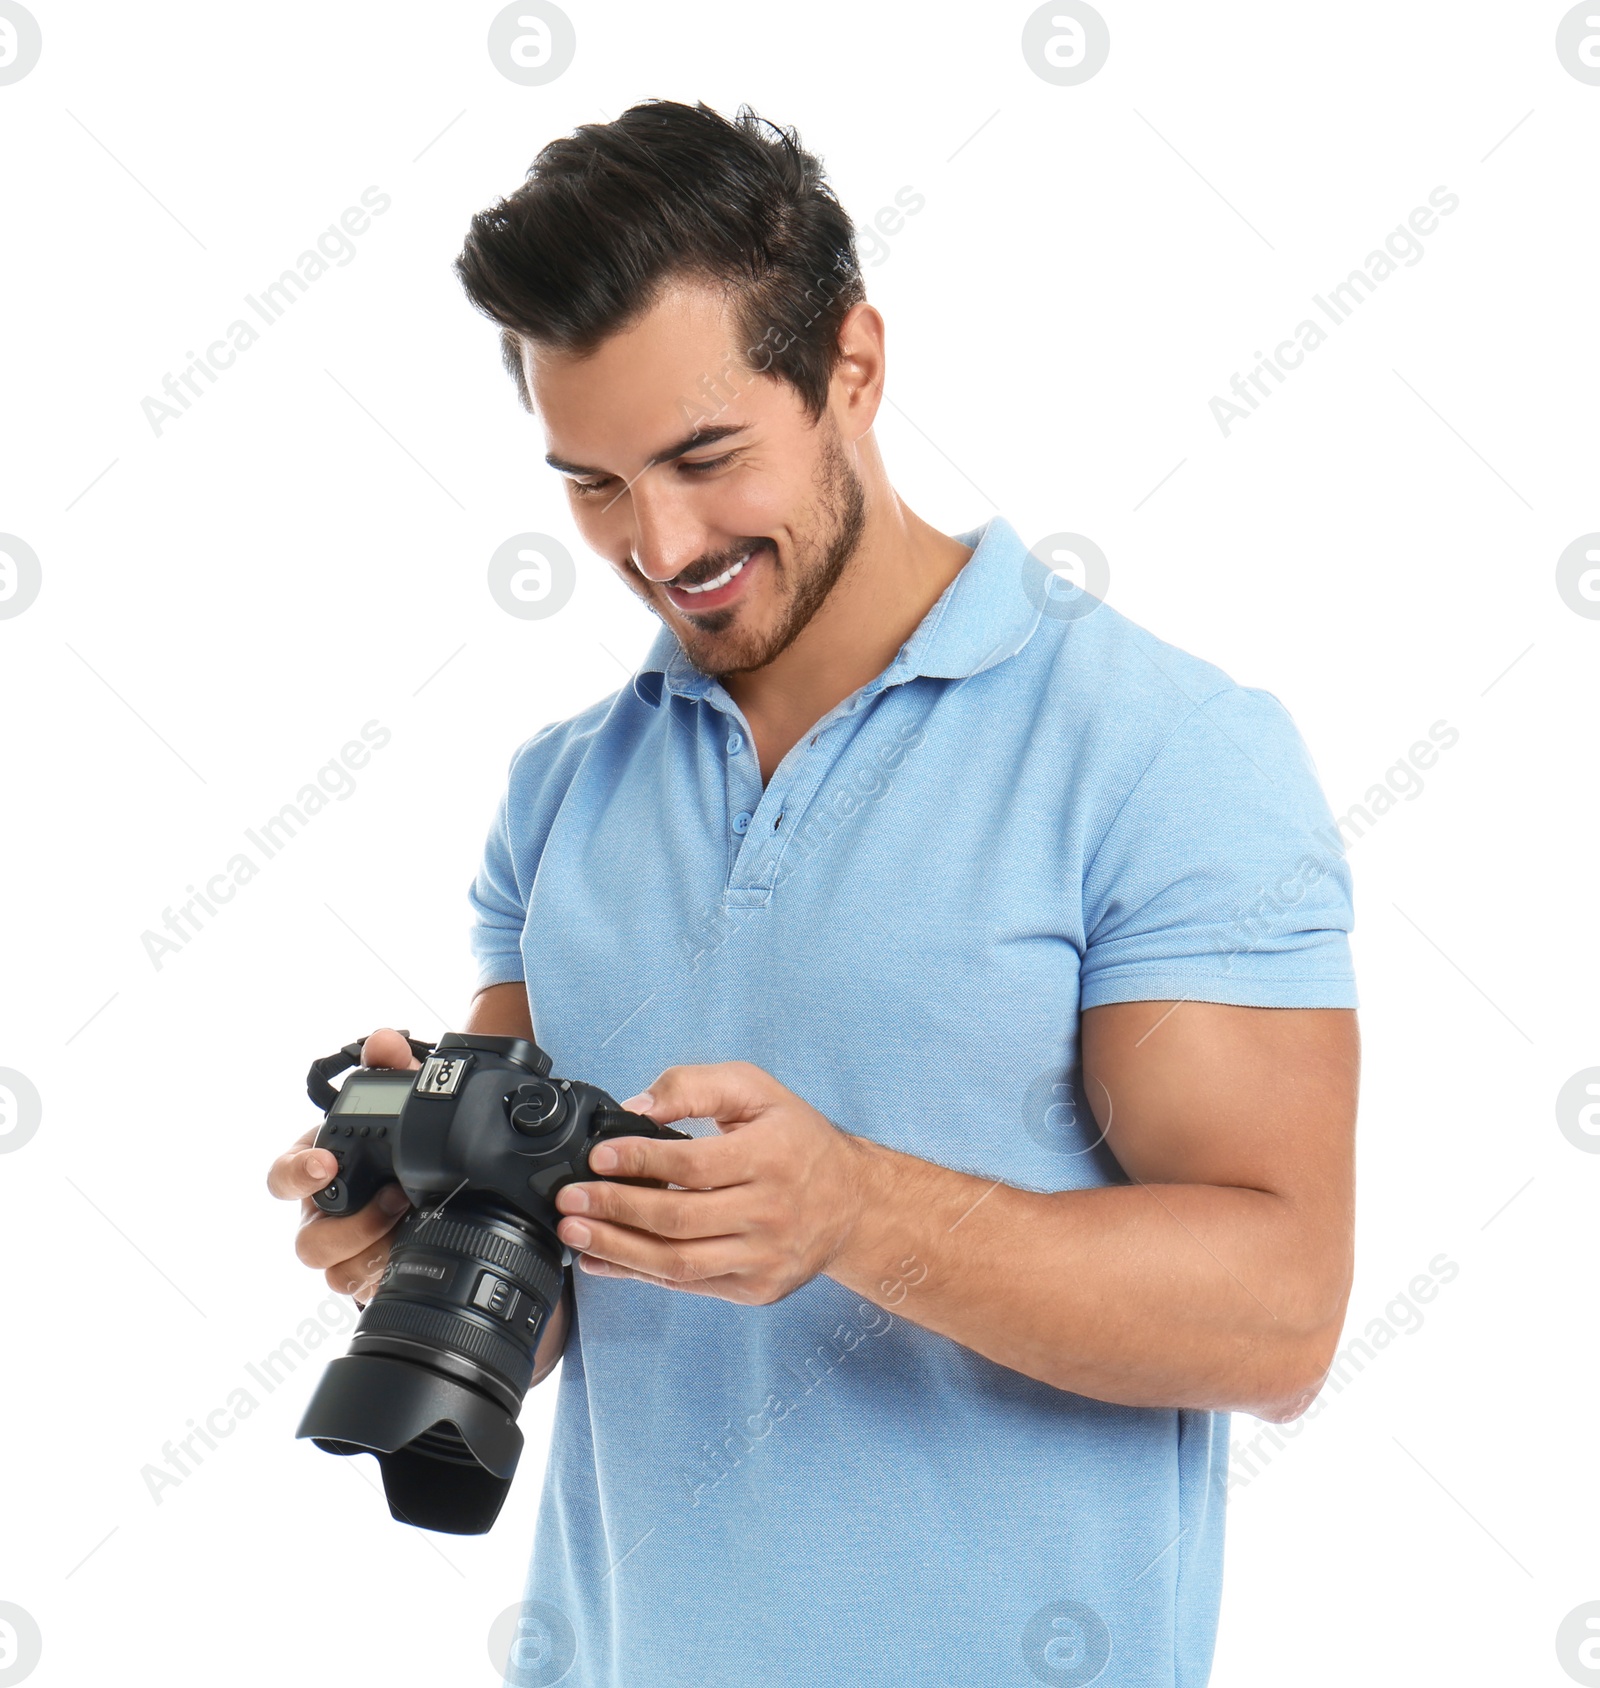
column 1169, row 1295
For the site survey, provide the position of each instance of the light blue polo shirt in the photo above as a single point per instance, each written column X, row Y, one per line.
column 1037, row 807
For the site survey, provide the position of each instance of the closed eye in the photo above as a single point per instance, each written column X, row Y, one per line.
column 705, row 464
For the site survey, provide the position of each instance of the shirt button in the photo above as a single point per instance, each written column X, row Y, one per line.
column 735, row 743
column 741, row 821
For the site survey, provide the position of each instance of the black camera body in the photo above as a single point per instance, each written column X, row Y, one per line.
column 481, row 1138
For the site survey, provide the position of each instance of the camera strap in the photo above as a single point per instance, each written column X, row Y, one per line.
column 318, row 1081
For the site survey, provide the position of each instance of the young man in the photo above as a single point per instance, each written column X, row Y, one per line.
column 999, row 947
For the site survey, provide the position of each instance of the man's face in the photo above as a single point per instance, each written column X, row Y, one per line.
column 671, row 508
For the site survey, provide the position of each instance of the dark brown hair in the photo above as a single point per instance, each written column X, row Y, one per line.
column 666, row 192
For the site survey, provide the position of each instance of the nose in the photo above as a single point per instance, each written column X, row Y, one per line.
column 667, row 535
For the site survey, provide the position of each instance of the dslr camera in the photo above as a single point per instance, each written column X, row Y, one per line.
column 480, row 1139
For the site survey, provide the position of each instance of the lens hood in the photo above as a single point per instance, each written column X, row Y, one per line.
column 446, row 1452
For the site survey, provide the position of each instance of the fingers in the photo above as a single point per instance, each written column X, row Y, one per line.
column 726, row 1286
column 359, row 1275
column 679, row 1214
column 301, row 1170
column 350, row 1250
column 698, row 1163
column 325, row 1241
column 684, row 1264
column 387, row 1048
column 730, row 1092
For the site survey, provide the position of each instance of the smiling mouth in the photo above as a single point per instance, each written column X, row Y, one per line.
column 722, row 591
column 722, row 579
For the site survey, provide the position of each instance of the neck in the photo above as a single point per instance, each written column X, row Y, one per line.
column 899, row 571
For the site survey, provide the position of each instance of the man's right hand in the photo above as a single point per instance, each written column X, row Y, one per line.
column 350, row 1249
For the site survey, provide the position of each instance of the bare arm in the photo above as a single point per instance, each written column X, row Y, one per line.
column 1216, row 1279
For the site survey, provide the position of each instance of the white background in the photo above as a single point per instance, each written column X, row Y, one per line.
column 225, row 604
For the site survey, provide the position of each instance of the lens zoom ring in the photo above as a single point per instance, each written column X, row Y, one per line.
column 449, row 1331
column 516, row 1260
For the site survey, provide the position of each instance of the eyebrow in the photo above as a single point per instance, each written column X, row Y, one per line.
column 690, row 442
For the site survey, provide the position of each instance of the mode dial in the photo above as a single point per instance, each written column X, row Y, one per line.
column 537, row 1107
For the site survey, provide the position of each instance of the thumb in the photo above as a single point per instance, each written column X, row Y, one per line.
column 388, row 1048
column 729, row 1092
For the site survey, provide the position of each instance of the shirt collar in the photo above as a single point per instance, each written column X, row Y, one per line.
column 987, row 613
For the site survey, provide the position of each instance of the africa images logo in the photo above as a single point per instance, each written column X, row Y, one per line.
column 20, row 45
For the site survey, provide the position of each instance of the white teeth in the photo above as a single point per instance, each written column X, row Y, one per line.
column 721, row 580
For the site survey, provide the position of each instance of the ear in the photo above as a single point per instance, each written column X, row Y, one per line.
column 856, row 387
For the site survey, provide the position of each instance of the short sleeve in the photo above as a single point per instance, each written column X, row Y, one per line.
column 498, row 898
column 1222, row 876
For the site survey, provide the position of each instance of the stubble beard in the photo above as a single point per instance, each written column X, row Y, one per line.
column 718, row 645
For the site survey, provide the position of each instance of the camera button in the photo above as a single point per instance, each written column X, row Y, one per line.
column 495, row 1295
column 537, row 1108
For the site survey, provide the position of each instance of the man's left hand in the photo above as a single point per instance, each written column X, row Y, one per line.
column 765, row 1205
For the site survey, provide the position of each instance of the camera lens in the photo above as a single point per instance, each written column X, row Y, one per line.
column 468, row 1293
column 440, row 1363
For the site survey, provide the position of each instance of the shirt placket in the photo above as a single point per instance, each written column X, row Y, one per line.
column 759, row 821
